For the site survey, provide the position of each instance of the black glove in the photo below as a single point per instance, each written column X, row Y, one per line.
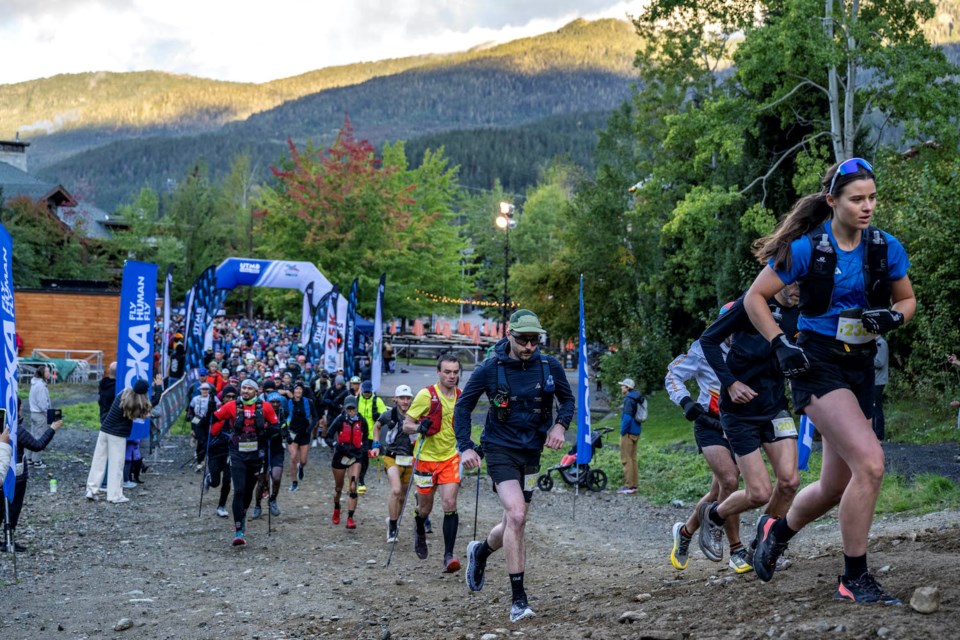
column 691, row 410
column 793, row 361
column 880, row 320
column 424, row 426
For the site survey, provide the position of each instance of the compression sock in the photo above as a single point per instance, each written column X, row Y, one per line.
column 484, row 551
column 714, row 515
column 336, row 505
column 854, row 566
column 451, row 521
column 516, row 585
column 421, row 527
column 784, row 533
column 393, row 525
column 349, row 513
column 734, row 547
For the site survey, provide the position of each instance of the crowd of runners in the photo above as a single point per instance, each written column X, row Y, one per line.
column 829, row 285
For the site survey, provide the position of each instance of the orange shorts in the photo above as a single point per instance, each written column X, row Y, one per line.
column 432, row 474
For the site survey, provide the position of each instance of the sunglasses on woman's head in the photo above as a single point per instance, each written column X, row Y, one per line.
column 848, row 167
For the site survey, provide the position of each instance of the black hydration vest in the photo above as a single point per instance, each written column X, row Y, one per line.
column 504, row 401
column 816, row 288
column 240, row 431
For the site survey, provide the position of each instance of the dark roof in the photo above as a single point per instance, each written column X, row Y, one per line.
column 97, row 222
column 15, row 182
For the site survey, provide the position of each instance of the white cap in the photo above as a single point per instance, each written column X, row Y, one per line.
column 403, row 391
column 627, row 382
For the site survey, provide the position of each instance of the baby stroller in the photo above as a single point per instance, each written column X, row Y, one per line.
column 582, row 474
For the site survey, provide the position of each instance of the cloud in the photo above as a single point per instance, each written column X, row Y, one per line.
column 257, row 41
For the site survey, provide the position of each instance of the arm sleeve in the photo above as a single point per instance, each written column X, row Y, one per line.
column 26, row 440
column 462, row 421
column 6, row 451
column 564, row 394
column 722, row 328
column 683, row 368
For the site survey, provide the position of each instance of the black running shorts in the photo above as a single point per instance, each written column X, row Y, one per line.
column 708, row 433
column 302, row 439
column 835, row 365
column 505, row 464
column 745, row 435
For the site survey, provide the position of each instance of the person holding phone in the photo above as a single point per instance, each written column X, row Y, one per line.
column 26, row 442
column 39, row 404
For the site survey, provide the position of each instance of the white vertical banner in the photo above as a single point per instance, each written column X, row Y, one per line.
column 376, row 365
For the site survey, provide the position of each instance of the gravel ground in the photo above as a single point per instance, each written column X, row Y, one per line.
column 173, row 574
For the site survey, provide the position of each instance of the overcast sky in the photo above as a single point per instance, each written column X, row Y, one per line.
column 260, row 40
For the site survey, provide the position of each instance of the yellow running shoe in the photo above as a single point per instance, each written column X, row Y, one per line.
column 361, row 489
column 740, row 561
column 679, row 555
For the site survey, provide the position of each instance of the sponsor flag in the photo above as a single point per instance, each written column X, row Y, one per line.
column 165, row 338
column 350, row 328
column 376, row 364
column 584, row 446
column 138, row 292
column 306, row 318
column 8, row 354
column 318, row 330
column 202, row 309
column 330, row 349
column 804, row 443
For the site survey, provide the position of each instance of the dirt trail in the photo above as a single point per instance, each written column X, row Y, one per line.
column 175, row 575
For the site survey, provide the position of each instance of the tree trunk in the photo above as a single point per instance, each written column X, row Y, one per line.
column 849, row 128
column 836, row 126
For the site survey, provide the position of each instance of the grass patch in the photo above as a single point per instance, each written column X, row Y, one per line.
column 85, row 415
column 916, row 421
column 926, row 492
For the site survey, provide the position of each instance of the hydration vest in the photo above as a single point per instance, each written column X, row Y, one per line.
column 247, row 429
column 436, row 409
column 504, row 401
column 816, row 288
column 351, row 433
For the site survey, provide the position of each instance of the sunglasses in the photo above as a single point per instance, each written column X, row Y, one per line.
column 230, row 396
column 848, row 167
column 525, row 340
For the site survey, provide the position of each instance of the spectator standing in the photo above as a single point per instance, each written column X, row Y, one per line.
column 881, row 366
column 108, row 389
column 39, row 403
column 629, row 436
column 132, row 404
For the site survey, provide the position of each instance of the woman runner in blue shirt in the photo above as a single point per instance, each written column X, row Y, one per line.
column 853, row 286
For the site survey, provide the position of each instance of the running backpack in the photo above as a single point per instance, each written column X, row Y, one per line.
column 351, row 434
column 640, row 410
column 436, row 410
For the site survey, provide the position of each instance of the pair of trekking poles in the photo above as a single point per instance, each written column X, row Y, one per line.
column 406, row 495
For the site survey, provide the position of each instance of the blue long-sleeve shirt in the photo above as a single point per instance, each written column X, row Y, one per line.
column 627, row 424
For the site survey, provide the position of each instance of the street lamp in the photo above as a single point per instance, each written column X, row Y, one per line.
column 506, row 222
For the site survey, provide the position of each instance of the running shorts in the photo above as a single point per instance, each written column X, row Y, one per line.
column 431, row 474
column 343, row 459
column 835, row 365
column 302, row 439
column 746, row 435
column 406, row 470
column 708, row 433
column 522, row 465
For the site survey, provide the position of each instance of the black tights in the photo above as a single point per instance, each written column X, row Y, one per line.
column 218, row 466
column 244, row 474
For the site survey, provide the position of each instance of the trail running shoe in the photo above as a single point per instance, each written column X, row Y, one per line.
column 257, row 512
column 863, row 589
column 427, row 526
column 420, row 544
column 740, row 561
column 451, row 564
column 274, row 509
column 520, row 610
column 475, row 568
column 222, row 512
column 679, row 555
column 768, row 549
column 336, row 516
column 710, row 536
column 299, row 472
column 361, row 489
column 350, row 523
column 238, row 540
column 625, row 491
column 294, row 487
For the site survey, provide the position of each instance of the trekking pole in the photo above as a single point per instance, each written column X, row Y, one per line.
column 269, row 491
column 11, row 544
column 203, row 478
column 476, row 503
column 405, row 496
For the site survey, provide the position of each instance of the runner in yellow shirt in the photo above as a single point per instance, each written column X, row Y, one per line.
column 431, row 414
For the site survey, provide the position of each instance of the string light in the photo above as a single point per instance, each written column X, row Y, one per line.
column 442, row 299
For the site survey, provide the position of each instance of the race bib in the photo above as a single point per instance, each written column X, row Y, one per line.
column 529, row 482
column 195, row 421
column 423, row 480
column 850, row 328
column 19, row 469
column 247, row 447
column 784, row 427
column 404, row 461
column 346, row 461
